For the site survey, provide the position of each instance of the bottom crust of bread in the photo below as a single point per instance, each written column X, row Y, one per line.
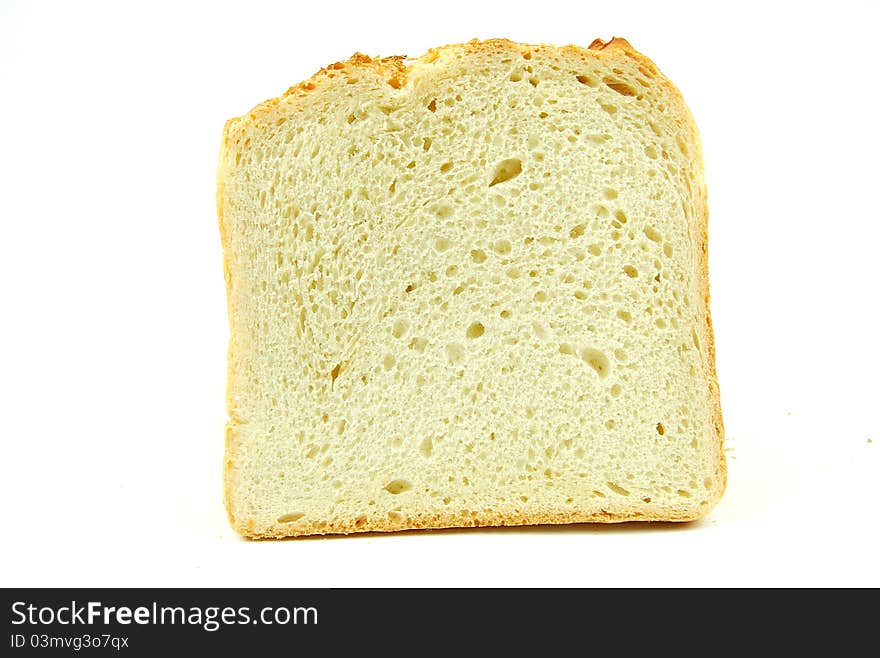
column 458, row 520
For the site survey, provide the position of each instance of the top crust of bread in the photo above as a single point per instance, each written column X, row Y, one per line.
column 399, row 71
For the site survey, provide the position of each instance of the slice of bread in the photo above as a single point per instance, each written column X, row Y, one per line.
column 469, row 289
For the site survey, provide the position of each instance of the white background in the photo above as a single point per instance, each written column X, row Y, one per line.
column 113, row 306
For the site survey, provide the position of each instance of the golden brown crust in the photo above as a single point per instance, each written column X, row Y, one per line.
column 396, row 72
column 461, row 519
column 708, row 340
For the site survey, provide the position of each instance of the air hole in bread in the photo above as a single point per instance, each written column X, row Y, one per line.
column 478, row 256
column 620, row 87
column 398, row 486
column 290, row 518
column 475, row 330
column 503, row 247
column 616, row 488
column 454, row 353
column 444, row 210
column 653, row 234
column 399, row 329
column 597, row 361
column 506, row 170
column 442, row 244
column 598, row 139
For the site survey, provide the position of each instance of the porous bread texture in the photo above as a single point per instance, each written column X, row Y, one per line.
column 469, row 289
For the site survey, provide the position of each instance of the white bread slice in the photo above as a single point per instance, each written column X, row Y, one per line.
column 469, row 289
